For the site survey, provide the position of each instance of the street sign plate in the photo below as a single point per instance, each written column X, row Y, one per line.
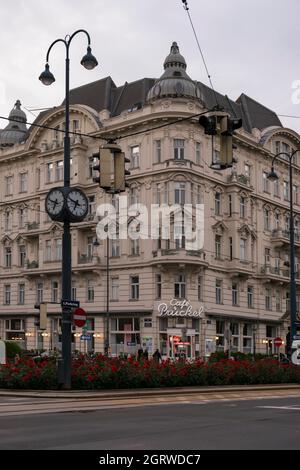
column 79, row 317
column 85, row 338
column 278, row 342
column 70, row 303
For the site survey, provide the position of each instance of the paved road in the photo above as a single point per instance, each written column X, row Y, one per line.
column 188, row 423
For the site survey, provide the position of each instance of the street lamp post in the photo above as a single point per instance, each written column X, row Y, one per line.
column 47, row 78
column 293, row 299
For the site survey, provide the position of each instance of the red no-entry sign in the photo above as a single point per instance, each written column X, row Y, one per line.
column 79, row 317
column 278, row 342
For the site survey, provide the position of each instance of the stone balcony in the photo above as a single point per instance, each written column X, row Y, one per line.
column 176, row 256
column 281, row 238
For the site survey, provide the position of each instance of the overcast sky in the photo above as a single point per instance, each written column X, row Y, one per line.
column 251, row 46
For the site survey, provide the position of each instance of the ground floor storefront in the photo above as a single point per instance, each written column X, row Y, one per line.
column 176, row 336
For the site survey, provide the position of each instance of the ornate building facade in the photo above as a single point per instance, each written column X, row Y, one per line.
column 239, row 281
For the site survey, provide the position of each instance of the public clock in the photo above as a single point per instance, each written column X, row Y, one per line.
column 76, row 205
column 55, row 204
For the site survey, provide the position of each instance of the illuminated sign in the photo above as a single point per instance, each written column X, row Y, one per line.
column 179, row 308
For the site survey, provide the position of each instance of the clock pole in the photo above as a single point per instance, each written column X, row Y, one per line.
column 47, row 78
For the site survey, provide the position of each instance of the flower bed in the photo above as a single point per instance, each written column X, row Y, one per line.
column 115, row 373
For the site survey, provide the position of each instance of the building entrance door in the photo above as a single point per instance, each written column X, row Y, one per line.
column 179, row 349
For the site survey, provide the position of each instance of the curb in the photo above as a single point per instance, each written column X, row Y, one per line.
column 117, row 394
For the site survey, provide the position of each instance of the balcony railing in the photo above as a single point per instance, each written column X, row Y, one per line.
column 33, row 226
column 88, row 259
column 284, row 234
column 31, row 264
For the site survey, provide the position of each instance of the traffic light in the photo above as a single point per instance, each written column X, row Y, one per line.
column 112, row 168
column 42, row 323
column 210, row 124
column 120, row 171
column 227, row 128
column 223, row 126
column 104, row 168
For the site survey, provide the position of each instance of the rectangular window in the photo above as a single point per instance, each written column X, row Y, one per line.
column 198, row 152
column 8, row 221
column 243, row 249
column 22, row 255
column 40, row 292
column 242, row 207
column 135, row 156
column 22, row 217
column 92, row 206
column 295, row 194
column 21, row 294
column 58, row 249
column 230, row 248
column 114, row 288
column 23, row 182
column 250, row 296
column 179, row 236
column 268, row 299
column 218, row 204
column 90, row 291
column 218, row 291
column 276, row 188
column 267, row 216
column 59, row 170
column 179, row 149
column 286, row 190
column 7, row 294
column 48, row 256
column 135, row 247
column 230, row 205
column 54, row 291
column 235, row 294
column 147, row 322
column 220, row 335
column 134, row 196
column 266, row 183
column 74, row 291
column 267, row 256
column 89, row 248
column 49, row 172
column 158, row 284
column 115, row 248
column 8, row 254
column 135, row 287
column 157, row 151
column 278, row 300
column 218, row 244
column 247, row 338
column 180, row 287
column 180, row 193
column 200, row 288
column 8, row 185
column 247, row 170
column 91, row 162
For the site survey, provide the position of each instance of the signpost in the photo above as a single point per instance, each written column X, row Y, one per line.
column 70, row 303
column 278, row 342
column 79, row 317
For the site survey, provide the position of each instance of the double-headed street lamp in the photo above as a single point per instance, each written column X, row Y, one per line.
column 293, row 299
column 89, row 62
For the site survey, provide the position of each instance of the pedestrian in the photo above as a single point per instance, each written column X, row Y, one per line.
column 140, row 354
column 17, row 358
column 157, row 356
column 145, row 354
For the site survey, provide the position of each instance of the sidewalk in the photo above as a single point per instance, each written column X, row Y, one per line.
column 134, row 393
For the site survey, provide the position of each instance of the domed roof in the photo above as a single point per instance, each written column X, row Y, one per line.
column 16, row 130
column 174, row 82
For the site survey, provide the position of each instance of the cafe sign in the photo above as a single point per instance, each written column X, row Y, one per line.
column 179, row 308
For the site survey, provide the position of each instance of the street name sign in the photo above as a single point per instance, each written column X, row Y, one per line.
column 70, row 303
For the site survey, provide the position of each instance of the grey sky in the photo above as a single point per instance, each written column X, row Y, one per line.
column 251, row 46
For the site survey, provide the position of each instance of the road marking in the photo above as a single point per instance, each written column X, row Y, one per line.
column 291, row 408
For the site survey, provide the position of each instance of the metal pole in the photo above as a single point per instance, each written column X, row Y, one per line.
column 293, row 299
column 107, row 296
column 66, row 249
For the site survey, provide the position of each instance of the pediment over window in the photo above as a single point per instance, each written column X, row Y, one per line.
column 245, row 231
column 219, row 228
column 56, row 229
column 6, row 240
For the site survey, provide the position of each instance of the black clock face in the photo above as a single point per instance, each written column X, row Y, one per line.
column 55, row 202
column 77, row 204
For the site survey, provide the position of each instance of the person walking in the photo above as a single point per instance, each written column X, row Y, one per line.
column 140, row 354
column 146, row 355
column 157, row 356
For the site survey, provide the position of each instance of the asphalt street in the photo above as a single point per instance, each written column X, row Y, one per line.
column 251, row 424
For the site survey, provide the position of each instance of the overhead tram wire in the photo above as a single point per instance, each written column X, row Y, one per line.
column 186, row 8
column 120, row 137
